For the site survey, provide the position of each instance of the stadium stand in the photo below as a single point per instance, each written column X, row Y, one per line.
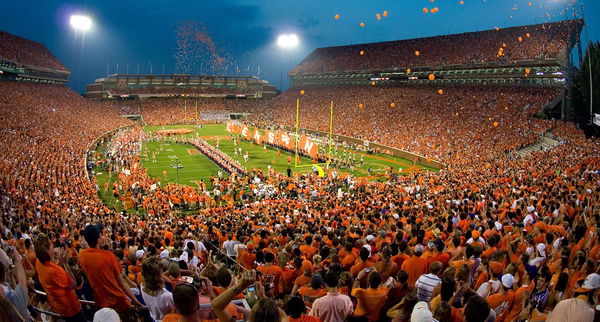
column 537, row 54
column 493, row 236
column 165, row 86
column 23, row 59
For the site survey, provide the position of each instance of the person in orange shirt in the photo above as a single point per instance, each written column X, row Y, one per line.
column 271, row 272
column 105, row 275
column 247, row 256
column 363, row 263
column 502, row 301
column 312, row 292
column 415, row 266
column 59, row 285
column 369, row 301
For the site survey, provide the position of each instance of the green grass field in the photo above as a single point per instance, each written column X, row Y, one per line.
column 164, row 155
column 198, row 167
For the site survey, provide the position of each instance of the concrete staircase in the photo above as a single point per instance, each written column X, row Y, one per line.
column 546, row 143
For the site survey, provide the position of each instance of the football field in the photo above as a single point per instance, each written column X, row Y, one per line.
column 164, row 156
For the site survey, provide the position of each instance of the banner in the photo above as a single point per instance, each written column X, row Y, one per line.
column 286, row 141
column 257, row 137
column 270, row 137
column 309, row 146
column 231, row 127
column 246, row 132
column 597, row 119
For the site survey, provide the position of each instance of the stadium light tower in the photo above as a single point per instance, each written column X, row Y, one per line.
column 285, row 41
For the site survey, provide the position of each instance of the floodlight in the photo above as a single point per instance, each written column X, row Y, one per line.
column 79, row 22
column 287, row 40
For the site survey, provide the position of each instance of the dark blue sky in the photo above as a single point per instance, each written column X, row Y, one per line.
column 143, row 32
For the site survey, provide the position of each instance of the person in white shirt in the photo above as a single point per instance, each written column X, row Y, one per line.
column 580, row 307
column 426, row 283
column 230, row 246
column 156, row 297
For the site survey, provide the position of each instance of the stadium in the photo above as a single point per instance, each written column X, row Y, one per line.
column 437, row 178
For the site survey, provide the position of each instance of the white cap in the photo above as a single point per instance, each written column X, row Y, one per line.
column 591, row 282
column 419, row 249
column 106, row 315
column 139, row 253
column 370, row 238
column 508, row 280
column 396, row 216
column 498, row 226
column 368, row 247
column 421, row 313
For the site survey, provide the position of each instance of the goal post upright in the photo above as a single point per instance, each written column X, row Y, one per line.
column 297, row 142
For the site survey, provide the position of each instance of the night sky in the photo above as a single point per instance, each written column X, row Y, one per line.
column 144, row 33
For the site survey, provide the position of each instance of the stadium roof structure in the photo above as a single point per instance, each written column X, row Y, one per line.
column 550, row 41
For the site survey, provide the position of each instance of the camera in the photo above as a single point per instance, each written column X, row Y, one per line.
column 194, row 282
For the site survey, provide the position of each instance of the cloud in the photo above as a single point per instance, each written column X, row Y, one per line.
column 307, row 22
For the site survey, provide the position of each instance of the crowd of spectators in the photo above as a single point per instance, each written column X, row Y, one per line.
column 491, row 237
column 24, row 51
column 518, row 43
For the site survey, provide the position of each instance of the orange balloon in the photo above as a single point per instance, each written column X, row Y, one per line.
column 373, row 83
column 385, row 13
column 520, row 38
column 362, row 24
column 417, row 53
column 362, row 52
column 378, row 16
column 431, row 77
column 495, row 124
column 527, row 70
column 302, row 92
column 462, row 2
column 408, row 71
column 425, row 10
column 337, row 17
column 440, row 91
column 393, row 105
column 361, row 105
column 489, row 118
column 527, row 35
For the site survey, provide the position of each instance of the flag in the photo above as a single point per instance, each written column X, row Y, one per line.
column 309, row 146
column 270, row 137
column 230, row 127
column 285, row 140
column 246, row 132
column 257, row 136
column 153, row 187
column 127, row 172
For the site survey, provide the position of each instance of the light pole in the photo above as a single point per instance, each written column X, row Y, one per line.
column 177, row 168
column 83, row 23
column 285, row 41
